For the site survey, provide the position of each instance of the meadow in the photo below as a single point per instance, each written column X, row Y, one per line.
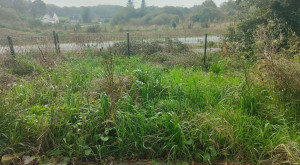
column 100, row 106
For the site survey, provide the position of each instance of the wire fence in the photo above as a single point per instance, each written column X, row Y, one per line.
column 81, row 42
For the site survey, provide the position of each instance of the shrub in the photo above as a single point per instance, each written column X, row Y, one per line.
column 17, row 67
column 152, row 47
column 138, row 47
column 171, row 60
column 94, row 29
column 21, row 68
column 279, row 67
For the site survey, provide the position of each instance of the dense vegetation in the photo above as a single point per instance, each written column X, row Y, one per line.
column 207, row 12
column 241, row 106
column 269, row 33
column 157, row 105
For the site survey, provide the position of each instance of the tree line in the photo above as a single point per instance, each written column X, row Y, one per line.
column 35, row 9
column 144, row 15
column 150, row 15
column 38, row 8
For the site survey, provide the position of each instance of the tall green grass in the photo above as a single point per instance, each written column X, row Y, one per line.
column 180, row 113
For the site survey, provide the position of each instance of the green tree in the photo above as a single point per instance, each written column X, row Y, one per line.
column 208, row 10
column 174, row 25
column 288, row 11
column 171, row 10
column 143, row 5
column 124, row 16
column 206, row 13
column 280, row 11
column 86, row 15
column 38, row 8
column 209, row 3
column 130, row 4
column 163, row 19
column 230, row 8
column 284, row 15
column 149, row 16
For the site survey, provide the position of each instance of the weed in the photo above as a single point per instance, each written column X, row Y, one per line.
column 105, row 107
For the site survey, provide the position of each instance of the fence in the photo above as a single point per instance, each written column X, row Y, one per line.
column 57, row 42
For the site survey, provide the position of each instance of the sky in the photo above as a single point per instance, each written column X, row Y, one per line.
column 137, row 3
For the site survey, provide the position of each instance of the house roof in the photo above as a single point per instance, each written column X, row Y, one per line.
column 50, row 17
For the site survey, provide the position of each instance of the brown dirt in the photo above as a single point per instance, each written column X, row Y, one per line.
column 6, row 80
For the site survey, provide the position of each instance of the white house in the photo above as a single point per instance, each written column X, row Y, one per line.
column 50, row 18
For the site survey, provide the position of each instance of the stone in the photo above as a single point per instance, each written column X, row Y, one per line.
column 28, row 159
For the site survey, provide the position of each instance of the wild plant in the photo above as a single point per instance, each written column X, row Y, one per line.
column 279, row 67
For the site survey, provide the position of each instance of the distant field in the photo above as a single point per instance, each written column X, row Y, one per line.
column 4, row 32
column 215, row 29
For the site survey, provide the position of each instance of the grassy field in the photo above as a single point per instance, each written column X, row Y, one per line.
column 97, row 106
column 67, row 34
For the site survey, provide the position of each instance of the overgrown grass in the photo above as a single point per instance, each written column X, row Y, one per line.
column 171, row 113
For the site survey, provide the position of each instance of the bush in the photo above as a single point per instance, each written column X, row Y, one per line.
column 21, row 68
column 189, row 59
column 94, row 29
column 152, row 47
column 216, row 68
column 138, row 47
column 174, row 46
column 279, row 67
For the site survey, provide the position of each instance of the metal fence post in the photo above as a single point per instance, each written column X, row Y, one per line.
column 205, row 48
column 11, row 46
column 55, row 41
column 128, row 44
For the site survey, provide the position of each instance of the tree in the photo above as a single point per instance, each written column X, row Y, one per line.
column 282, row 15
column 130, row 4
column 143, row 6
column 230, row 8
column 208, row 10
column 38, row 8
column 151, row 16
column 206, row 13
column 209, row 3
column 174, row 25
column 284, row 12
column 20, row 5
column 86, row 15
column 124, row 16
column 289, row 12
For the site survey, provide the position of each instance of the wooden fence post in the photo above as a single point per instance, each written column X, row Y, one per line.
column 57, row 41
column 11, row 46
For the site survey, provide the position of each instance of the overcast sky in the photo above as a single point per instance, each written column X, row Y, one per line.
column 185, row 3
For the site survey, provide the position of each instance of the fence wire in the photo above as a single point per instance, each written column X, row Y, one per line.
column 3, row 46
column 82, row 42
